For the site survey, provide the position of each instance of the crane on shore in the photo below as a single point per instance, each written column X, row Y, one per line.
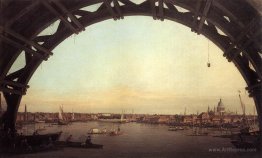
column 243, row 107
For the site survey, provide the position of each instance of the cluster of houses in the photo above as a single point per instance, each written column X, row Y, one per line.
column 215, row 117
column 52, row 117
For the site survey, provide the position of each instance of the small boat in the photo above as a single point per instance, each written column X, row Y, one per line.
column 41, row 129
column 79, row 145
column 204, row 134
column 247, row 140
column 245, row 145
column 174, row 128
column 97, row 131
column 39, row 139
column 224, row 136
column 18, row 151
column 39, row 121
column 83, row 145
column 196, row 133
column 115, row 133
column 94, row 131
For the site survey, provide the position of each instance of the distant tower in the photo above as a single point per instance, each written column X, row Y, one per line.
column 208, row 110
column 185, row 111
column 220, row 107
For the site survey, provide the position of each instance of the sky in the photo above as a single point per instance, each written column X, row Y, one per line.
column 139, row 64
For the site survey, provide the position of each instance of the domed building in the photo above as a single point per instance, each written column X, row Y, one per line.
column 220, row 107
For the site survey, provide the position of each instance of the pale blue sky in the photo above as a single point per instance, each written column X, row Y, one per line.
column 136, row 63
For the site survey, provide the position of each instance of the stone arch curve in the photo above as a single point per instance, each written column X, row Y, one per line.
column 234, row 26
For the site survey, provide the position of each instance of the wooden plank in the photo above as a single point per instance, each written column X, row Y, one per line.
column 110, row 9
column 127, row 2
column 42, row 38
column 161, row 9
column 22, row 13
column 227, row 12
column 171, row 7
column 12, row 91
column 117, row 6
column 61, row 17
column 241, row 35
column 254, row 86
column 197, row 10
column 204, row 15
column 246, row 44
column 15, row 74
column 26, row 41
column 20, row 46
column 70, row 15
column 13, row 83
column 153, row 9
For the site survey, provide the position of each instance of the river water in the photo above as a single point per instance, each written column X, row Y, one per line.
column 138, row 141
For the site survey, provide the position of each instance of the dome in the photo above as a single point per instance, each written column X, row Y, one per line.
column 220, row 106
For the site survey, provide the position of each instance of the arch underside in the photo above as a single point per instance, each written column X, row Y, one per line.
column 234, row 26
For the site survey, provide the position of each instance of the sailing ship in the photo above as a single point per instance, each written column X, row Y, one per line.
column 73, row 117
column 61, row 118
column 122, row 119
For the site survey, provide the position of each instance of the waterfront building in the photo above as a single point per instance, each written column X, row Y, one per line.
column 189, row 119
column 216, row 120
column 163, row 119
column 203, row 118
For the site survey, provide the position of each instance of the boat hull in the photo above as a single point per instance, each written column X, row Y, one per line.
column 35, row 140
column 79, row 145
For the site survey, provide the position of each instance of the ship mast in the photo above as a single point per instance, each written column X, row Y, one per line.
column 243, row 109
column 242, row 106
column 25, row 114
column 60, row 114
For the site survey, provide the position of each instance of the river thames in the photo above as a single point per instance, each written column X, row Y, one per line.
column 137, row 141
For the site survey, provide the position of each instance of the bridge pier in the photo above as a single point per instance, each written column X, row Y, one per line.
column 8, row 119
column 257, row 95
